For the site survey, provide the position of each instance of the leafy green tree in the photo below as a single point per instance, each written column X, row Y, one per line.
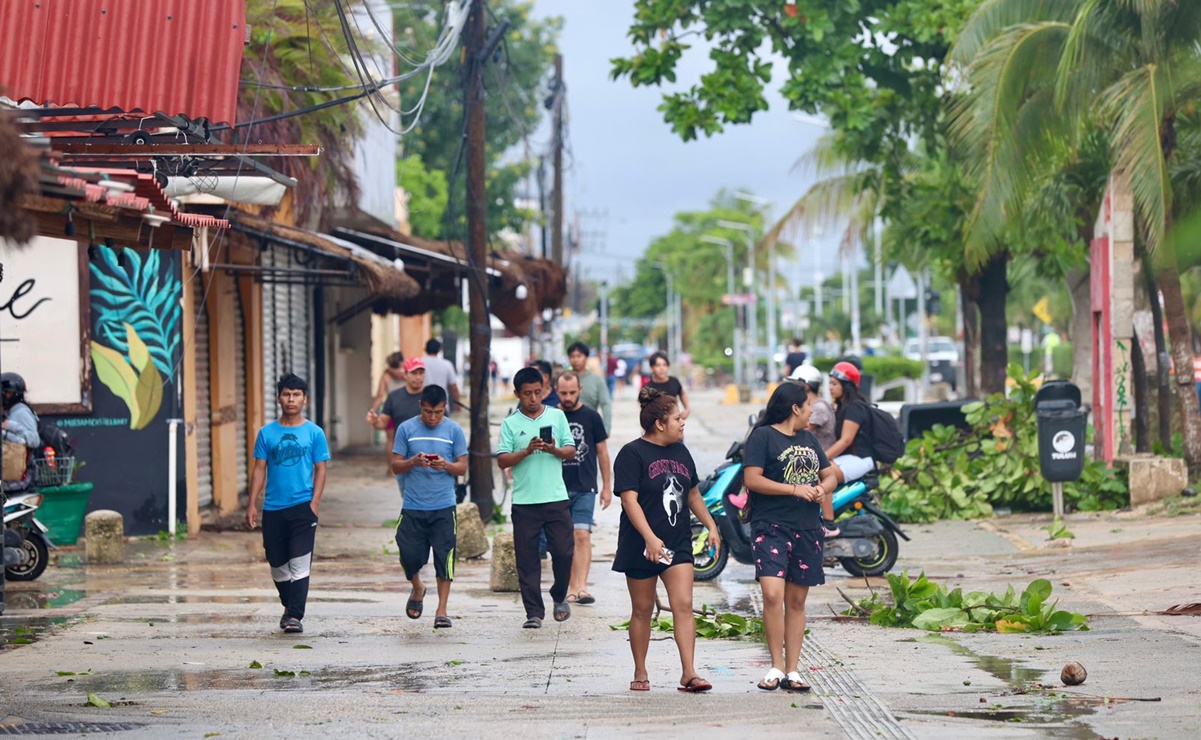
column 294, row 47
column 699, row 273
column 516, row 85
column 1041, row 72
column 872, row 67
column 427, row 191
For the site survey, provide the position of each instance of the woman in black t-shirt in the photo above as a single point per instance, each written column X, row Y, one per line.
column 789, row 477
column 668, row 384
column 852, row 450
column 656, row 480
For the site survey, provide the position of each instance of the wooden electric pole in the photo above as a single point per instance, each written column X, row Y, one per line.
column 557, row 143
column 479, row 468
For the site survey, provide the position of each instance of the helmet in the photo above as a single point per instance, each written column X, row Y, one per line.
column 845, row 372
column 809, row 375
column 12, row 386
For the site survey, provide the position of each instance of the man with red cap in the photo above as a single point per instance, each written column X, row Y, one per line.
column 401, row 404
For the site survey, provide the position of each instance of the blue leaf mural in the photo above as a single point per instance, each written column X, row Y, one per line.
column 145, row 294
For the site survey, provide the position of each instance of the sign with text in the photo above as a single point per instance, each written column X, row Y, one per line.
column 44, row 322
column 737, row 299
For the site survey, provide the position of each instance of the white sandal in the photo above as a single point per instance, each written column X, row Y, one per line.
column 771, row 681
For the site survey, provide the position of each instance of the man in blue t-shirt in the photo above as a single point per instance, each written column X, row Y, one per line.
column 430, row 451
column 289, row 456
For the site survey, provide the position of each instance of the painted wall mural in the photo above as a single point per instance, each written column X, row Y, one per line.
column 135, row 349
column 137, row 315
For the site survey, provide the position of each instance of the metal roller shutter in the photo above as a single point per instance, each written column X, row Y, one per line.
column 204, row 412
column 240, row 379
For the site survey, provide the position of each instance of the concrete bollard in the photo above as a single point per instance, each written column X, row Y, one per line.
column 472, row 540
column 504, row 564
column 104, row 531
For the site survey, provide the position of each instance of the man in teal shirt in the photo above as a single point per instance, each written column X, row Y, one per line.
column 593, row 392
column 534, row 442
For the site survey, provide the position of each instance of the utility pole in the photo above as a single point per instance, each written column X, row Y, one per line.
column 557, row 142
column 773, row 338
column 479, row 467
column 604, row 327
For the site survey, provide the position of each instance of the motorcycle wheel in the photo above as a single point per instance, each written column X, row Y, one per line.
column 882, row 561
column 38, row 553
column 706, row 566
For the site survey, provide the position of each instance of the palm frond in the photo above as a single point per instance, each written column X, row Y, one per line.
column 1003, row 127
column 1136, row 104
column 825, row 205
column 994, row 16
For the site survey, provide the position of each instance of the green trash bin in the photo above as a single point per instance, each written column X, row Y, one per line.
column 62, row 511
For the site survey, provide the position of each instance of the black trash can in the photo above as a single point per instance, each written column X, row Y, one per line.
column 1062, row 426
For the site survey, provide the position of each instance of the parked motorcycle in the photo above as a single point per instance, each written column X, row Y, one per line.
column 736, row 537
column 26, row 546
column 865, row 545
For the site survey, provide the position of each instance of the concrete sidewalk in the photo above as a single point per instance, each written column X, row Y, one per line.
column 169, row 638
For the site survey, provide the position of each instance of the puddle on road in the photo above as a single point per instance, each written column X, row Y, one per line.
column 1050, row 718
column 413, row 679
column 42, row 599
column 209, row 599
column 1010, row 671
column 1053, row 715
column 20, row 630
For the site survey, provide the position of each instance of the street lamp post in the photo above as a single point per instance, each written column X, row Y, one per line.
column 670, row 310
column 773, row 369
column 728, row 247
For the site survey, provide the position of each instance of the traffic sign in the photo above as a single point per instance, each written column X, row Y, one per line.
column 738, row 299
column 901, row 286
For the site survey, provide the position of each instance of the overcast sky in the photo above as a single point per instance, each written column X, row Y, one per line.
column 628, row 162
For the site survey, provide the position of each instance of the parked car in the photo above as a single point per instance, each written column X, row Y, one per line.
column 942, row 356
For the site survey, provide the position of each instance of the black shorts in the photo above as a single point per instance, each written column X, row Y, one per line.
column 792, row 554
column 418, row 532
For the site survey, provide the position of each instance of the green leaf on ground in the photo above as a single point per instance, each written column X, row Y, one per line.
column 302, row 647
column 95, row 700
column 285, row 674
column 255, row 664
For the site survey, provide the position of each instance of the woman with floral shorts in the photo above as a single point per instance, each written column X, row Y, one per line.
column 788, row 476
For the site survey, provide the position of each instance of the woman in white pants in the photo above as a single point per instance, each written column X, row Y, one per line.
column 851, row 452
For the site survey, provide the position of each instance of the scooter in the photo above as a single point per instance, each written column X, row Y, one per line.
column 735, row 535
column 26, row 546
column 865, row 545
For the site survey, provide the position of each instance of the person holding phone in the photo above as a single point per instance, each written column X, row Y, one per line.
column 656, row 479
column 429, row 452
column 534, row 442
column 789, row 477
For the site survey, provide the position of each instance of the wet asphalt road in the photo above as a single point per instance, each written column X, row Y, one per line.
column 169, row 639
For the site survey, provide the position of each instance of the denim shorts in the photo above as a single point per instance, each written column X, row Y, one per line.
column 583, row 506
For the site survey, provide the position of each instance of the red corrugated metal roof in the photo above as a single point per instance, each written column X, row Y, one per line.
column 170, row 56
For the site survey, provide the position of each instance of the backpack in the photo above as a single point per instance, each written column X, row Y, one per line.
column 884, row 435
column 54, row 437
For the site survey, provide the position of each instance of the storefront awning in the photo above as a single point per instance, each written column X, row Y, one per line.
column 541, row 283
column 384, row 279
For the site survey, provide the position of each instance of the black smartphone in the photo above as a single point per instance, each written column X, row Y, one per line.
column 546, row 436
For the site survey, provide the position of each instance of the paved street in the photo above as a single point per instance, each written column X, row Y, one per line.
column 169, row 638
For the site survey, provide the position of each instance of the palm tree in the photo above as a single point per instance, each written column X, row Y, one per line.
column 1038, row 72
column 297, row 46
